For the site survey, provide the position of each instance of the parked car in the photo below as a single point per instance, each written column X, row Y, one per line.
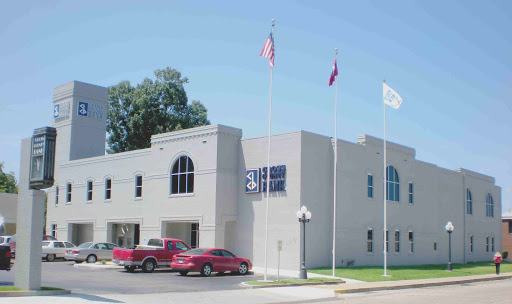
column 4, row 240
column 5, row 257
column 90, row 252
column 55, row 249
column 12, row 242
column 157, row 253
column 206, row 261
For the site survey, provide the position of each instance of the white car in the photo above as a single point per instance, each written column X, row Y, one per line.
column 55, row 249
column 4, row 240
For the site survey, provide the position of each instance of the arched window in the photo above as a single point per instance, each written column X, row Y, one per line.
column 469, row 202
column 489, row 206
column 392, row 184
column 182, row 176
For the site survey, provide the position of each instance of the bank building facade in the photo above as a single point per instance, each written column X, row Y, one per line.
column 206, row 186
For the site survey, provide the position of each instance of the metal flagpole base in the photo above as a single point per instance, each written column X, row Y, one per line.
column 303, row 274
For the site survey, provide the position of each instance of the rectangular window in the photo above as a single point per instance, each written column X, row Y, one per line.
column 194, row 235
column 108, row 188
column 411, row 198
column 68, row 193
column 510, row 227
column 370, row 186
column 487, row 244
column 369, row 240
column 471, row 244
column 54, row 230
column 56, row 195
column 138, row 186
column 435, row 246
column 411, row 241
column 397, row 241
column 89, row 190
column 492, row 244
column 387, row 241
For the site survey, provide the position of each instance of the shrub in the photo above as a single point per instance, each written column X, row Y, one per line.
column 505, row 254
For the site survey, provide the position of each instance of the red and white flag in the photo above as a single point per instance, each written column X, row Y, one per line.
column 334, row 73
column 268, row 50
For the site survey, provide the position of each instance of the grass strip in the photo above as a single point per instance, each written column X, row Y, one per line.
column 412, row 272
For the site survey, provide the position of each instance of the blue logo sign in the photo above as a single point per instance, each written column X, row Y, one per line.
column 82, row 108
column 56, row 111
column 252, row 181
column 276, row 180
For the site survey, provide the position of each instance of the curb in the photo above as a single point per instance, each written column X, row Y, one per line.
column 98, row 266
column 340, row 292
column 34, row 293
column 291, row 284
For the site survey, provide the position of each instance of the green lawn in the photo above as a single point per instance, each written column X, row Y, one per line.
column 374, row 273
column 10, row 288
column 290, row 281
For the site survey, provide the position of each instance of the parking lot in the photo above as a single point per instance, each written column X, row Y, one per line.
column 62, row 274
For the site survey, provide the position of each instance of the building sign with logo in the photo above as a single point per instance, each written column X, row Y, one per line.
column 42, row 158
column 256, row 180
column 91, row 110
column 61, row 111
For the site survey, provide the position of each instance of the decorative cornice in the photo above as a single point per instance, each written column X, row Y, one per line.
column 195, row 133
column 367, row 140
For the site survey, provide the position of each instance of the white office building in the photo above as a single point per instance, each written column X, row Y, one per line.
column 204, row 186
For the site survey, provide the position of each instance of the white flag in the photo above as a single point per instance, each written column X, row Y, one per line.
column 391, row 98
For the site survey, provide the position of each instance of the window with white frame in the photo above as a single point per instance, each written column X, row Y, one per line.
column 487, row 244
column 411, row 241
column 194, row 235
column 182, row 176
column 397, row 241
column 138, row 186
column 89, row 190
column 387, row 241
column 411, row 193
column 471, row 243
column 54, row 230
column 369, row 240
column 68, row 192
column 56, row 194
column 392, row 184
column 489, row 206
column 469, row 202
column 108, row 188
column 370, row 185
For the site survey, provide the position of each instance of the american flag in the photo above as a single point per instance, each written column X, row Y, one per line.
column 334, row 73
column 268, row 50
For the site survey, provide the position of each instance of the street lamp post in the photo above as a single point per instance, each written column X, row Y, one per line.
column 304, row 216
column 449, row 228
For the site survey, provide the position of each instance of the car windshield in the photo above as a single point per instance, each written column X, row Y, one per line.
column 46, row 243
column 197, row 251
column 85, row 245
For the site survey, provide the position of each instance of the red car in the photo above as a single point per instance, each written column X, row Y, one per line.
column 206, row 261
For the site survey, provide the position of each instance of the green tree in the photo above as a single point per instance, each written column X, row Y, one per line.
column 8, row 183
column 151, row 107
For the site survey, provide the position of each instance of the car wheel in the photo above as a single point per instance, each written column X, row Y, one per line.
column 243, row 268
column 50, row 257
column 206, row 270
column 91, row 259
column 183, row 272
column 129, row 268
column 148, row 266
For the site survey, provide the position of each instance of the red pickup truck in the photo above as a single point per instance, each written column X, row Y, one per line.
column 157, row 253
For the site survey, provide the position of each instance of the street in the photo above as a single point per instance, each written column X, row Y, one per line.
column 482, row 292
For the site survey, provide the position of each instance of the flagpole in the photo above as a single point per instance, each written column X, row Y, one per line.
column 268, row 165
column 335, row 170
column 385, row 194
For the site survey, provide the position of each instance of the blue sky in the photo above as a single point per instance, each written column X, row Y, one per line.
column 451, row 61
